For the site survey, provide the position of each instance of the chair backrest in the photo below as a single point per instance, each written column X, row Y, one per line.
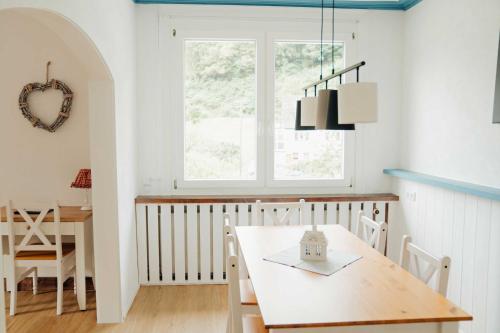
column 34, row 228
column 232, row 271
column 229, row 229
column 228, row 226
column 440, row 267
column 372, row 232
column 272, row 210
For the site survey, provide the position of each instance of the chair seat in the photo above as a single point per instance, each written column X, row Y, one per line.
column 253, row 324
column 247, row 293
column 67, row 248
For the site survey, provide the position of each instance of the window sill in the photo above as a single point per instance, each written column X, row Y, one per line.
column 149, row 199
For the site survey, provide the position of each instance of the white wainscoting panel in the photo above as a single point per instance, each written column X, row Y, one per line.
column 464, row 227
column 182, row 243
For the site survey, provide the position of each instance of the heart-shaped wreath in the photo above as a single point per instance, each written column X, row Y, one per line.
column 65, row 107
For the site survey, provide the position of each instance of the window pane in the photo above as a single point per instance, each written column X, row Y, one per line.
column 220, row 137
column 303, row 154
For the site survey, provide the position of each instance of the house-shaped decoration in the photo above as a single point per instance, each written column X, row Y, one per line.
column 313, row 245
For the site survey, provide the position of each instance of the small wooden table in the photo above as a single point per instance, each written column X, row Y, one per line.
column 372, row 294
column 74, row 222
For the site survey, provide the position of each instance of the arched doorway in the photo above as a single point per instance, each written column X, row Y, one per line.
column 100, row 105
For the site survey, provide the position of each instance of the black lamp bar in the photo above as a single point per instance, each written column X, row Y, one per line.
column 339, row 73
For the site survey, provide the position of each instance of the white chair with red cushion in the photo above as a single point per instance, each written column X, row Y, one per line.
column 29, row 254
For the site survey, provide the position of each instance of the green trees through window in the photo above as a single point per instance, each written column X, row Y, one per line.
column 220, row 137
column 303, row 154
column 220, row 111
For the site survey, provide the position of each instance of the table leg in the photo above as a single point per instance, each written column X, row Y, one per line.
column 451, row 327
column 80, row 265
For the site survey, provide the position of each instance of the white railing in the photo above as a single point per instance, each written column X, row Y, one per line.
column 182, row 242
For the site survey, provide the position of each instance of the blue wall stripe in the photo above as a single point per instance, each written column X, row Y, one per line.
column 384, row 5
column 491, row 193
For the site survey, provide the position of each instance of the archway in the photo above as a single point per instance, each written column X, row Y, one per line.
column 102, row 152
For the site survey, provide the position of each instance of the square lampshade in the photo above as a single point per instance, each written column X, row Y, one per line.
column 357, row 102
column 327, row 112
column 298, row 119
column 308, row 109
column 305, row 116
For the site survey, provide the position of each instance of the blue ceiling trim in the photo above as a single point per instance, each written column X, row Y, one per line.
column 347, row 4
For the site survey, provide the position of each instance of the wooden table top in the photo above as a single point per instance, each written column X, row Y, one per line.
column 68, row 214
column 372, row 290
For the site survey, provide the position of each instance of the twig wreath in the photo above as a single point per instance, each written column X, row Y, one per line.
column 36, row 86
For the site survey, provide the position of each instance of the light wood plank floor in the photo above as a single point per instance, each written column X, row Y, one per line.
column 180, row 309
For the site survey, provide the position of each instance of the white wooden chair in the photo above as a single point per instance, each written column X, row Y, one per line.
column 238, row 321
column 248, row 298
column 28, row 255
column 440, row 267
column 272, row 209
column 372, row 232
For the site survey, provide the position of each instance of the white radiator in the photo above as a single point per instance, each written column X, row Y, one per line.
column 183, row 243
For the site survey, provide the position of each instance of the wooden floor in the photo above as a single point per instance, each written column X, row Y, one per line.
column 180, row 309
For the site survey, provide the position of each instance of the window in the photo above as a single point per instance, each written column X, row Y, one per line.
column 233, row 98
column 303, row 155
column 220, row 123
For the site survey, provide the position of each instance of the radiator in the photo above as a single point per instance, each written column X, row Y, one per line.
column 182, row 243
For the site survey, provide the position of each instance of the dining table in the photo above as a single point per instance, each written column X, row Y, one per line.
column 372, row 294
column 74, row 222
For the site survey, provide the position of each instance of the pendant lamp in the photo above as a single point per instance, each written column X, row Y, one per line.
column 339, row 108
column 327, row 115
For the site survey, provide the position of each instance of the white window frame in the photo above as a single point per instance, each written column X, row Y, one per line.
column 264, row 31
column 178, row 104
column 349, row 136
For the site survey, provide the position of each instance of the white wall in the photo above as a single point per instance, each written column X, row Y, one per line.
column 379, row 42
column 450, row 56
column 38, row 165
column 110, row 26
column 450, row 52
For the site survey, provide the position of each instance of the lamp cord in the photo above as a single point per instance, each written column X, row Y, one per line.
column 321, row 43
column 333, row 36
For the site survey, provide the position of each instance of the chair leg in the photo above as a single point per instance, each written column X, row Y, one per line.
column 74, row 283
column 13, row 299
column 59, row 295
column 10, row 283
column 35, row 281
column 11, row 279
column 13, row 289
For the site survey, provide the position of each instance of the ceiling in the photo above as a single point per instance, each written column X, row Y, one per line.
column 352, row 4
